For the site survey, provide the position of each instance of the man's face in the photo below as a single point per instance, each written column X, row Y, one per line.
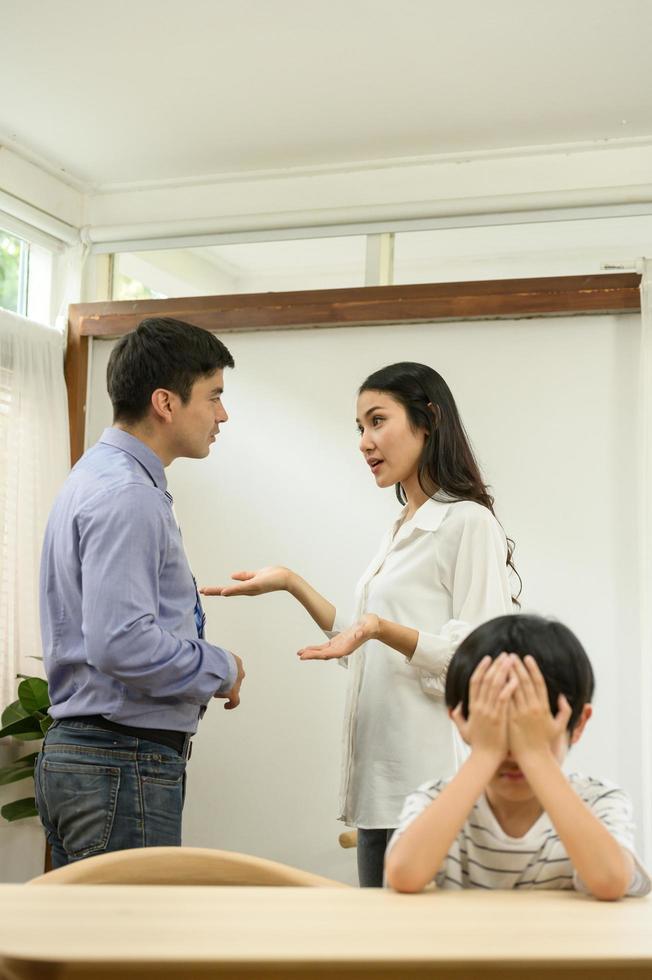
column 196, row 423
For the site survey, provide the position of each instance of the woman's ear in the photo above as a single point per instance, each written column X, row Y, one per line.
column 585, row 714
column 436, row 413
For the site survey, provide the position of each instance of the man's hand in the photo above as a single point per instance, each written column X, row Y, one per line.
column 490, row 689
column 232, row 697
column 345, row 642
column 532, row 727
column 274, row 578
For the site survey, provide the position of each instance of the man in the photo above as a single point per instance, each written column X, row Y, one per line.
column 129, row 670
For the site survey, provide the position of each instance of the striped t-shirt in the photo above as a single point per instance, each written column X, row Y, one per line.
column 484, row 856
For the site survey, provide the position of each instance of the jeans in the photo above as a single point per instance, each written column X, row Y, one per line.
column 100, row 791
column 371, row 856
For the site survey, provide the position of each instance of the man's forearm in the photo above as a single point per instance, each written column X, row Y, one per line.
column 599, row 860
column 150, row 659
column 417, row 856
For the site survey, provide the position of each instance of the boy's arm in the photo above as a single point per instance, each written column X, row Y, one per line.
column 417, row 855
column 419, row 852
column 605, row 867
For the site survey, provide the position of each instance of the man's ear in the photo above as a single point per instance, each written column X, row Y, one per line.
column 585, row 714
column 163, row 404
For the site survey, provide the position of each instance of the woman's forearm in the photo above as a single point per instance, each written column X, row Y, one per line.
column 403, row 639
column 319, row 608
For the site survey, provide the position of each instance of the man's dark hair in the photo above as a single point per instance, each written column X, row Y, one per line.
column 560, row 656
column 160, row 353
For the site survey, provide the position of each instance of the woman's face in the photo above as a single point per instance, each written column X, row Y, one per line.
column 389, row 444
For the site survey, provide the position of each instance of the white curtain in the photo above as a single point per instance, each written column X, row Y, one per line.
column 34, row 461
column 645, row 555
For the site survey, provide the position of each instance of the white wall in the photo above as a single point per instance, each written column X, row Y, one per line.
column 551, row 408
column 22, row 844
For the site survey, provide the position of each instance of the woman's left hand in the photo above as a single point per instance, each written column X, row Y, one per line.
column 346, row 642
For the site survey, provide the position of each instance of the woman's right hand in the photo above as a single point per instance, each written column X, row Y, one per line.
column 274, row 578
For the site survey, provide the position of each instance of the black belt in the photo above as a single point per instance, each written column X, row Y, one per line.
column 179, row 741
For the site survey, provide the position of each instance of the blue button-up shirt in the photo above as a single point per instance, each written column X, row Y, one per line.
column 120, row 636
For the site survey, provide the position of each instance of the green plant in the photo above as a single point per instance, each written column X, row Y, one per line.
column 26, row 720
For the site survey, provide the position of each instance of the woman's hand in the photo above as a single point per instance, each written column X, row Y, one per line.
column 490, row 690
column 345, row 642
column 532, row 727
column 274, row 578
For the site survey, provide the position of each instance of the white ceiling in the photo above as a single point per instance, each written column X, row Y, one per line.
column 151, row 90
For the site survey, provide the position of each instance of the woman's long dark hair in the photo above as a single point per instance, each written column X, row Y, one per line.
column 447, row 462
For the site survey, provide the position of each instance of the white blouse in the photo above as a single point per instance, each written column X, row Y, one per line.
column 443, row 573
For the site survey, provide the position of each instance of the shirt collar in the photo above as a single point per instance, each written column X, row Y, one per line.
column 431, row 513
column 147, row 458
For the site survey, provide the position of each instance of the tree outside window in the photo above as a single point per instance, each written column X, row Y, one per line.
column 13, row 255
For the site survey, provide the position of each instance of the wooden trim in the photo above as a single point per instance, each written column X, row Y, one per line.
column 76, row 374
column 364, row 306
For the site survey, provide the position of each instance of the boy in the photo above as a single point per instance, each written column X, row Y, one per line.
column 510, row 818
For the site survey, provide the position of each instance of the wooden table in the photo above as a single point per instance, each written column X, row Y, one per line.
column 100, row 931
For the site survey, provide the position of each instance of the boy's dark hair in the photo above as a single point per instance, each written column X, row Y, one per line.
column 560, row 656
column 160, row 353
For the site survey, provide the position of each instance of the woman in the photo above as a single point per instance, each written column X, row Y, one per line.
column 441, row 570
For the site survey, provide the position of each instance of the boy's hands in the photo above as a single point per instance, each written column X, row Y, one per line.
column 492, row 685
column 532, row 728
column 509, row 710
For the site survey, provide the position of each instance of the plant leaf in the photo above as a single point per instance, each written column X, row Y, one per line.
column 11, row 774
column 13, row 712
column 45, row 723
column 23, row 729
column 20, row 809
column 26, row 762
column 33, row 694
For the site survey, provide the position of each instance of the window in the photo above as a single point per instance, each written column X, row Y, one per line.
column 252, row 267
column 14, row 258
column 26, row 271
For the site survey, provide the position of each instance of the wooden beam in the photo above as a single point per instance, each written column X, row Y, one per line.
column 364, row 306
column 76, row 375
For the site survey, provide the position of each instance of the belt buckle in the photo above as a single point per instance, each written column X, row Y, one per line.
column 186, row 751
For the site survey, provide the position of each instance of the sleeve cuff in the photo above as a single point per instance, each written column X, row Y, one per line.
column 339, row 624
column 433, row 651
column 228, row 667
